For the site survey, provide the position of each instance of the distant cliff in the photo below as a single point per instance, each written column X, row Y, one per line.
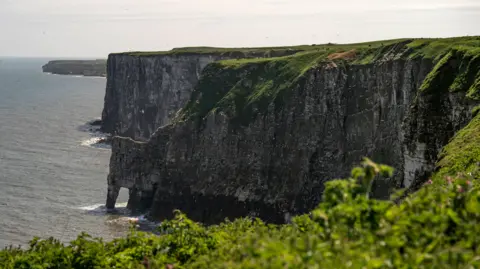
column 95, row 68
column 261, row 136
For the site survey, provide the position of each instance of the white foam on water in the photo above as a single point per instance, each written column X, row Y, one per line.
column 91, row 207
column 91, row 141
column 140, row 222
column 120, row 216
column 96, row 136
column 95, row 142
column 119, row 205
column 101, row 208
column 123, row 220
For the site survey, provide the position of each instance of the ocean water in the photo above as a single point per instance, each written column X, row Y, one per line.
column 52, row 181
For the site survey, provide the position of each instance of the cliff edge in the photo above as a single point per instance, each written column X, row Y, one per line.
column 146, row 89
column 260, row 136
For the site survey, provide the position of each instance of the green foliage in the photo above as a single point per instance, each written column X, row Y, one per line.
column 469, row 70
column 437, row 227
column 260, row 51
column 474, row 91
column 462, row 154
column 442, row 74
column 435, row 48
column 243, row 88
column 456, row 71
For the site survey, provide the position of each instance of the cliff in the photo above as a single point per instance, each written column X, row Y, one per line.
column 144, row 93
column 146, row 89
column 95, row 68
column 261, row 136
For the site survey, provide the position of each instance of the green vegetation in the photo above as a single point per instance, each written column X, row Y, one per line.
column 435, row 48
column 437, row 227
column 462, row 154
column 243, row 88
column 456, row 71
column 457, row 63
column 259, row 52
column 239, row 87
column 442, row 75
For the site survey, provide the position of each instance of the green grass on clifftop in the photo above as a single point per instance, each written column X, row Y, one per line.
column 457, row 64
column 257, row 52
column 238, row 87
column 242, row 88
column 434, row 48
column 462, row 154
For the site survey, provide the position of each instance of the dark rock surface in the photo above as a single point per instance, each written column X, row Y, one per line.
column 144, row 93
column 277, row 164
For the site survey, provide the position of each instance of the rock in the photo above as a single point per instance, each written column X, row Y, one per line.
column 96, row 123
column 145, row 92
column 269, row 159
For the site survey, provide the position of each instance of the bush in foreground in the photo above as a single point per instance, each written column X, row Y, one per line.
column 437, row 227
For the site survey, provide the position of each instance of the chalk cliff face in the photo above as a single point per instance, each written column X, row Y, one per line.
column 250, row 142
column 144, row 92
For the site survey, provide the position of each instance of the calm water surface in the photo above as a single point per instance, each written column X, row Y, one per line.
column 51, row 182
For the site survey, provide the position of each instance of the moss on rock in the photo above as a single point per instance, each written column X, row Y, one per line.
column 242, row 88
column 462, row 154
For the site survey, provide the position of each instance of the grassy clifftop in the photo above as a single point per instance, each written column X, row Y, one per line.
column 424, row 47
column 256, row 52
column 462, row 154
column 236, row 86
column 243, row 87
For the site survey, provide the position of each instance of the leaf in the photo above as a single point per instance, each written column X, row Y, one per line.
column 453, row 216
column 358, row 172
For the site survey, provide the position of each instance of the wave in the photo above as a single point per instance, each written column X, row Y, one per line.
column 101, row 209
column 92, row 207
column 141, row 223
column 96, row 142
column 97, row 138
column 121, row 216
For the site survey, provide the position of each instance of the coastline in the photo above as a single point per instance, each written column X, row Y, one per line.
column 76, row 75
column 93, row 68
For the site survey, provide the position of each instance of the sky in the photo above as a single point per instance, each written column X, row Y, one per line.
column 95, row 28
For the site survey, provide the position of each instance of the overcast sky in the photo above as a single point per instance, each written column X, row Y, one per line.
column 94, row 28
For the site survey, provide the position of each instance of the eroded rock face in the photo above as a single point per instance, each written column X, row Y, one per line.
column 144, row 92
column 277, row 165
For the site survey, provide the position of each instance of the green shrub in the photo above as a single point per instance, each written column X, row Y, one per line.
column 437, row 227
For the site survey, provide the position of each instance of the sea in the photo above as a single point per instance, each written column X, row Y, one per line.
column 53, row 176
